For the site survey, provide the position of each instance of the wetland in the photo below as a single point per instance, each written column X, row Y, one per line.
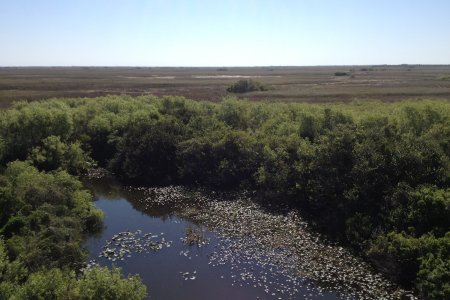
column 236, row 199
column 212, row 245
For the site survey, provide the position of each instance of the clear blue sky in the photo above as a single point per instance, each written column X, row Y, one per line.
column 223, row 33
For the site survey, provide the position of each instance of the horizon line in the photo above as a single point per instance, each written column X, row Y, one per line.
column 217, row 66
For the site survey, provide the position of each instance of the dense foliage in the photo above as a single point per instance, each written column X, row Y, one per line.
column 44, row 218
column 373, row 175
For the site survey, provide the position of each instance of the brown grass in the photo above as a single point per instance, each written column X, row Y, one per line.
column 308, row 84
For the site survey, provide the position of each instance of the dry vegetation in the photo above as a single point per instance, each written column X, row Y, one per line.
column 311, row 84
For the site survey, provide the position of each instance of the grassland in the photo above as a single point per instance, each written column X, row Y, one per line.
column 303, row 84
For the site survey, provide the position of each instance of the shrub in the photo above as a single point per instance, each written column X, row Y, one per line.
column 341, row 74
column 248, row 85
column 54, row 154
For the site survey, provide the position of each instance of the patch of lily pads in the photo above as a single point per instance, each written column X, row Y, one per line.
column 126, row 243
column 275, row 249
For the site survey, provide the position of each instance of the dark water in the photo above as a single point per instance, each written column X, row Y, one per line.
column 161, row 271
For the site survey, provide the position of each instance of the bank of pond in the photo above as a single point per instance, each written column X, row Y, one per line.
column 348, row 200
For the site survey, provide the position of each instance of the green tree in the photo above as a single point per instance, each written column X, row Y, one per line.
column 54, row 154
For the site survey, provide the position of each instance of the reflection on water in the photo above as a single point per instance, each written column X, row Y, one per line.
column 155, row 245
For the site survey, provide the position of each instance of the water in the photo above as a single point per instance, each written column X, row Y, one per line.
column 162, row 271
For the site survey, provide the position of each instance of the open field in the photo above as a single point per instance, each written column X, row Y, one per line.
column 309, row 84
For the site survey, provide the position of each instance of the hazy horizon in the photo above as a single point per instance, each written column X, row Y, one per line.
column 218, row 66
column 232, row 33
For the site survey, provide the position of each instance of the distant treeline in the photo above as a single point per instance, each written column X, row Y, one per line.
column 373, row 175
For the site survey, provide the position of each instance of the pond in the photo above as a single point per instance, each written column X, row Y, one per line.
column 178, row 256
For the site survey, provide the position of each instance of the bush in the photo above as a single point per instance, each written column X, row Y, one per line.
column 248, row 85
column 101, row 283
column 54, row 154
column 423, row 260
column 45, row 216
column 56, row 284
column 147, row 150
column 341, row 74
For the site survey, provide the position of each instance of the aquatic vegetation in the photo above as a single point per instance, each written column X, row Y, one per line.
column 188, row 275
column 253, row 238
column 124, row 244
column 194, row 238
column 275, row 251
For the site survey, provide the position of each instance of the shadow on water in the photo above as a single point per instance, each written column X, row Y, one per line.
column 181, row 270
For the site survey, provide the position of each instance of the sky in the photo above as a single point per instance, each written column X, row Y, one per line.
column 223, row 33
